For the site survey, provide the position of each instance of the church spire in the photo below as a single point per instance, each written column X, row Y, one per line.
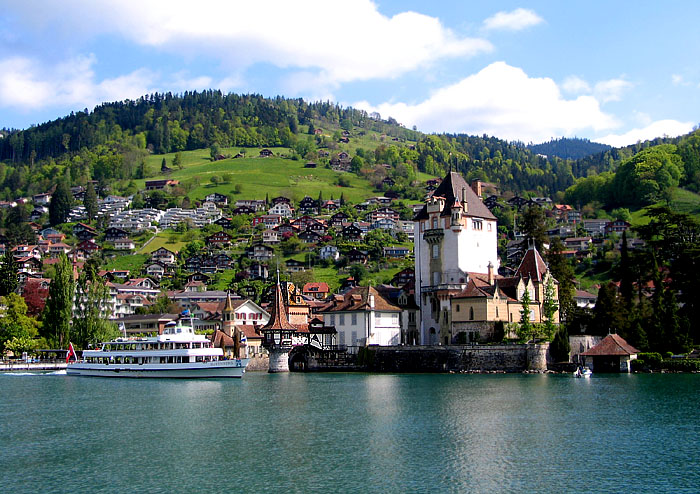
column 278, row 316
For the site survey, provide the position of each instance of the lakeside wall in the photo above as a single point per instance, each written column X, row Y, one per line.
column 457, row 358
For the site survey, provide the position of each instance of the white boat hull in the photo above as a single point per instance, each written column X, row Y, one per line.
column 218, row 369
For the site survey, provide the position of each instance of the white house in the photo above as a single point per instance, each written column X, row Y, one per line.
column 362, row 316
column 329, row 252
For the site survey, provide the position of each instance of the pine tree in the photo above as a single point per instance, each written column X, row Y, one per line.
column 90, row 202
column 625, row 272
column 60, row 204
column 8, row 275
column 525, row 328
column 59, row 306
column 560, row 348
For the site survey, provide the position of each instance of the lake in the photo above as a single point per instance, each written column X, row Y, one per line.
column 351, row 433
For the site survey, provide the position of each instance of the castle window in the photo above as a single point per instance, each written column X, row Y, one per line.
column 496, row 312
column 488, row 226
column 435, row 223
column 457, row 307
column 471, row 313
column 477, row 225
column 435, row 251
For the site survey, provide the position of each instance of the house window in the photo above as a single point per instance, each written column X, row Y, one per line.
column 353, row 319
column 332, row 320
column 477, row 225
column 394, row 318
column 341, row 319
column 436, row 251
column 353, row 338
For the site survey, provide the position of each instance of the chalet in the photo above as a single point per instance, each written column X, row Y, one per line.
column 112, row 234
column 256, row 205
column 286, row 229
column 617, row 226
column 28, row 266
column 127, row 304
column 282, row 209
column 164, row 256
column 198, row 277
column 266, row 153
column 308, row 206
column 258, row 271
column 491, row 201
column 338, row 219
column 316, row 290
column 329, row 252
column 114, row 274
column 51, row 231
column 193, row 264
column 243, row 210
column 219, row 239
column 310, row 237
column 88, row 246
column 268, row 220
column 407, row 227
column 403, row 277
column 304, row 222
column 218, row 199
column 388, row 182
column 42, row 199
column 396, row 252
column 330, row 205
column 260, row 252
column 270, row 236
column 209, row 265
column 310, row 164
column 24, row 250
column 195, row 286
column 351, row 233
column 356, row 256
column 323, row 153
column 382, row 213
column 81, row 227
column 145, row 324
column 578, row 243
column 38, row 212
column 156, row 270
column 58, row 248
column 584, row 299
column 294, row 266
column 224, row 223
column 384, row 224
column 433, row 183
column 595, row 227
column 161, row 184
column 86, row 235
column 222, row 261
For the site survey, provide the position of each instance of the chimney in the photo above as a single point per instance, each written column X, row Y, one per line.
column 465, row 206
column 476, row 187
column 490, row 273
column 371, row 302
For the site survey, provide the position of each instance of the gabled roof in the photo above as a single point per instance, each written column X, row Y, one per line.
column 451, row 189
column 611, row 345
column 358, row 298
column 532, row 266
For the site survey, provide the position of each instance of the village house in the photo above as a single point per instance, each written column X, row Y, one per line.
column 308, row 206
column 218, row 240
column 329, row 252
column 294, row 266
column 316, row 290
column 282, row 209
column 224, row 223
column 356, row 256
column 268, row 220
column 164, row 256
column 219, row 199
column 396, row 252
column 617, row 226
column 362, row 316
column 270, row 236
column 160, row 184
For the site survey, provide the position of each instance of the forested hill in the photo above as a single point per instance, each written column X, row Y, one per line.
column 111, row 143
column 569, row 148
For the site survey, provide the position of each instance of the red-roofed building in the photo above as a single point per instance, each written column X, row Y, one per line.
column 612, row 354
column 316, row 290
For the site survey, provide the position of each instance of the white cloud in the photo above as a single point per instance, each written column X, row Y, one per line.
column 343, row 41
column 611, row 90
column 502, row 101
column 27, row 84
column 516, row 20
column 575, row 85
column 660, row 128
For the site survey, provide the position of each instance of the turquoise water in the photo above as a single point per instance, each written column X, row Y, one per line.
column 351, row 433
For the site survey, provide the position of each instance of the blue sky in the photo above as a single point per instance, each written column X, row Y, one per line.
column 615, row 72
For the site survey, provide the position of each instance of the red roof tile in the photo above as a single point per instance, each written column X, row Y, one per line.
column 611, row 345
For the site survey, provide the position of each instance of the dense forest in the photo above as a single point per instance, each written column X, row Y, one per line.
column 569, row 148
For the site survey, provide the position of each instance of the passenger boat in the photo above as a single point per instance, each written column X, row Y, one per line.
column 178, row 352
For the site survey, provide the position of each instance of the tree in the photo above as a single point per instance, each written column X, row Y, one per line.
column 533, row 225
column 90, row 320
column 15, row 323
column 560, row 268
column 549, row 308
column 525, row 329
column 560, row 348
column 60, row 204
column 8, row 275
column 90, row 202
column 59, row 306
column 177, row 161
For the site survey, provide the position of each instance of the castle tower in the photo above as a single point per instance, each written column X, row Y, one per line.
column 277, row 334
column 455, row 234
column 228, row 326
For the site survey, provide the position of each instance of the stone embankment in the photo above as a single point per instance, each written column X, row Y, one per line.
column 466, row 358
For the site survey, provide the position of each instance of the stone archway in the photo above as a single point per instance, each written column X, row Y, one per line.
column 298, row 360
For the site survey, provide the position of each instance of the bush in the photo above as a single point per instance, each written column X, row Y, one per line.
column 652, row 359
column 682, row 365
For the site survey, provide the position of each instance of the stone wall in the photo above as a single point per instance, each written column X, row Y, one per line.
column 580, row 344
column 458, row 358
column 258, row 363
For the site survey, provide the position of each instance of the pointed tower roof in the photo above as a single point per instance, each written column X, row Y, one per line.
column 228, row 307
column 451, row 189
column 278, row 315
column 532, row 266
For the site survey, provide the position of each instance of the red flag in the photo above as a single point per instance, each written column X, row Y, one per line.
column 71, row 351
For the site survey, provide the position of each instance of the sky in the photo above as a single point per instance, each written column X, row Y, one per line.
column 613, row 72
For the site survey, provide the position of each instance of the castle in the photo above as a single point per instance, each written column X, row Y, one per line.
column 458, row 290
